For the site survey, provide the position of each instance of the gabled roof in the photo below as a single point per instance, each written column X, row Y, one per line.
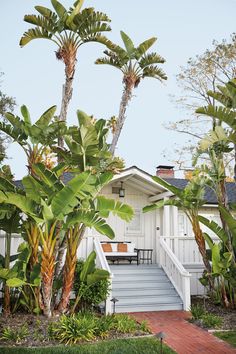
column 210, row 195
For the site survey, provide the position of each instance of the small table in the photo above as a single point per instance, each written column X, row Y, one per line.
column 144, row 254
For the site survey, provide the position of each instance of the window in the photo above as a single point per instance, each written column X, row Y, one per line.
column 136, row 224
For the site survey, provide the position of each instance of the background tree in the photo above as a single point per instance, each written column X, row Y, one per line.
column 7, row 104
column 135, row 64
column 68, row 29
column 200, row 75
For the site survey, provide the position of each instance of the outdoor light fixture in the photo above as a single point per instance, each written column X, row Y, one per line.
column 121, row 190
column 114, row 300
column 161, row 336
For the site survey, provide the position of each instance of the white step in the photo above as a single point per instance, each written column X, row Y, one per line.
column 146, row 308
column 143, row 288
column 143, row 292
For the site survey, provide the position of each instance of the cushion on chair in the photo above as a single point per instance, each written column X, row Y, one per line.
column 106, row 247
column 122, row 247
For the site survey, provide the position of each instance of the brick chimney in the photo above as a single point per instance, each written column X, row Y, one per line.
column 164, row 171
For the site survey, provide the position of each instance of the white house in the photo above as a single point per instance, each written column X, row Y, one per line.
column 167, row 282
column 176, row 262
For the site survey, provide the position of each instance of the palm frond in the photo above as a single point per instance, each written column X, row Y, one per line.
column 143, row 47
column 60, row 10
column 44, row 11
column 218, row 96
column 109, row 61
column 40, row 21
column 154, row 72
column 223, row 114
column 34, row 33
column 149, row 59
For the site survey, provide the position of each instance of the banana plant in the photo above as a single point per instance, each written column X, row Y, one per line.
column 135, row 64
column 69, row 30
column 190, row 200
column 10, row 222
column 223, row 256
column 89, row 276
column 35, row 138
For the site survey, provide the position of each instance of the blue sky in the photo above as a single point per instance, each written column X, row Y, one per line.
column 34, row 77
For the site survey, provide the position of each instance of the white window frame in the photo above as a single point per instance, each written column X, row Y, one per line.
column 140, row 229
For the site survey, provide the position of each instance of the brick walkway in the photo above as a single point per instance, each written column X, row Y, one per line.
column 182, row 336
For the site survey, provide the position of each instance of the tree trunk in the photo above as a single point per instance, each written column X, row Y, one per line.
column 74, row 237
column 7, row 299
column 202, row 249
column 126, row 97
column 47, row 269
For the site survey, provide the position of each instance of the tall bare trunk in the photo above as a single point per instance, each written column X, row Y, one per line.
column 126, row 97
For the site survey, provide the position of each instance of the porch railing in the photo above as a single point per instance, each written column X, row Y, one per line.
column 175, row 271
column 185, row 248
column 103, row 264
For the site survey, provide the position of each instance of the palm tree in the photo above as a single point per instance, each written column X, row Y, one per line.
column 135, row 65
column 190, row 200
column 68, row 29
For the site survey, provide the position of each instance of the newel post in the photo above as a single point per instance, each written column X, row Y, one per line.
column 186, row 291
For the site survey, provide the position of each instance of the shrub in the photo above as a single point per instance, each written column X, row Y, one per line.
column 15, row 335
column 86, row 326
column 197, row 311
column 74, row 328
column 91, row 295
column 211, row 321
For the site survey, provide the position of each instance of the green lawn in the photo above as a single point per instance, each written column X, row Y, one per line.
column 146, row 345
column 229, row 337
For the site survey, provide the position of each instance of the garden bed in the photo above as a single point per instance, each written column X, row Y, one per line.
column 38, row 331
column 228, row 316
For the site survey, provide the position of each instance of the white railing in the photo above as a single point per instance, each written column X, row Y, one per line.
column 175, row 271
column 102, row 263
column 185, row 248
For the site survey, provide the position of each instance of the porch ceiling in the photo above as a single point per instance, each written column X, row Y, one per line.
column 139, row 180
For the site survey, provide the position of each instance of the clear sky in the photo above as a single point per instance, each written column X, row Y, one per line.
column 34, row 77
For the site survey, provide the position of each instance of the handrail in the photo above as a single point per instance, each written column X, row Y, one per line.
column 174, row 259
column 175, row 271
column 104, row 265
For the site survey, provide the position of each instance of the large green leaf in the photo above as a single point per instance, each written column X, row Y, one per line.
column 176, row 191
column 88, row 266
column 213, row 226
column 216, row 258
column 128, row 44
column 225, row 115
column 90, row 219
column 15, row 282
column 105, row 206
column 97, row 275
column 230, row 221
column 60, row 9
column 161, row 203
column 27, row 205
column 32, row 188
column 46, row 118
column 80, row 187
column 143, row 47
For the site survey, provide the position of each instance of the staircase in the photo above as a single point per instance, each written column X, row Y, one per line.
column 143, row 288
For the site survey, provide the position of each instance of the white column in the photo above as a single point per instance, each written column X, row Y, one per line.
column 166, row 222
column 175, row 230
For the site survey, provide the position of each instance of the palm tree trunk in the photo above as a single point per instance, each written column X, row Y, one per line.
column 126, row 97
column 6, row 300
column 47, row 268
column 202, row 249
column 74, row 237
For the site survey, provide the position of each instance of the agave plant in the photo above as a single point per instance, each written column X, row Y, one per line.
column 68, row 29
column 135, row 64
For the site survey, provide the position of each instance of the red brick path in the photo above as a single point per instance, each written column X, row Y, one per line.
column 182, row 336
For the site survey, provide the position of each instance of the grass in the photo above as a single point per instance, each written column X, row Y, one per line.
column 148, row 345
column 229, row 337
